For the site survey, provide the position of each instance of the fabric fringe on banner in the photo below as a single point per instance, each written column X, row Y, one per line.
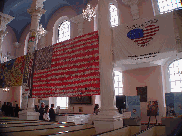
column 69, row 68
column 144, row 36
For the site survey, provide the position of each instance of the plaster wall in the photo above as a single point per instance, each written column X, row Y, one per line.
column 150, row 77
column 13, row 95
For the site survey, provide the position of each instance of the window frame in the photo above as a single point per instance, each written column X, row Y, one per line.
column 67, row 102
column 119, row 80
column 177, row 80
column 55, row 37
column 113, row 25
column 156, row 8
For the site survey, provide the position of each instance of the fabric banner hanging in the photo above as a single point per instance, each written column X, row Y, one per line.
column 11, row 73
column 69, row 68
column 144, row 36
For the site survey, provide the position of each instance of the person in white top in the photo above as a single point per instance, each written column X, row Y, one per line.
column 46, row 113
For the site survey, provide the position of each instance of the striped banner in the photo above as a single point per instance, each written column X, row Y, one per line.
column 69, row 68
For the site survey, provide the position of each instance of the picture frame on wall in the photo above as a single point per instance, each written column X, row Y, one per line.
column 142, row 92
column 80, row 100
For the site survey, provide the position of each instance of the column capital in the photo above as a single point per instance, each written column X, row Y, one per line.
column 134, row 7
column 36, row 11
column 4, row 20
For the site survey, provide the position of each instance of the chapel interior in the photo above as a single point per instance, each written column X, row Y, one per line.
column 108, row 67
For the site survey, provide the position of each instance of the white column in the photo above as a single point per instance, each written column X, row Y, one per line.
column 134, row 8
column 79, row 21
column 36, row 10
column 4, row 20
column 108, row 118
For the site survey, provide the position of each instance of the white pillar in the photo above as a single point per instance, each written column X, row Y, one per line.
column 108, row 117
column 36, row 10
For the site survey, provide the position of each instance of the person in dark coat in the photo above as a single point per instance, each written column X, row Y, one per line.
column 41, row 111
column 52, row 113
column 16, row 110
column 4, row 108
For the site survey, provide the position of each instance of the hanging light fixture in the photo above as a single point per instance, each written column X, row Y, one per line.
column 88, row 13
column 41, row 31
column 6, row 89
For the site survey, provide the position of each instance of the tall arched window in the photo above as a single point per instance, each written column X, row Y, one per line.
column 113, row 15
column 118, row 84
column 64, row 31
column 175, row 72
column 169, row 5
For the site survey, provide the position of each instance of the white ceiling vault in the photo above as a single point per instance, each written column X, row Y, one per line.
column 18, row 9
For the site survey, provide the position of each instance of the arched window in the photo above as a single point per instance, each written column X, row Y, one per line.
column 61, row 30
column 64, row 31
column 175, row 72
column 118, row 84
column 168, row 5
column 113, row 15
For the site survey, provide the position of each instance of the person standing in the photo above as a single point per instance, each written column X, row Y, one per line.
column 52, row 113
column 46, row 113
column 4, row 108
column 41, row 111
column 16, row 110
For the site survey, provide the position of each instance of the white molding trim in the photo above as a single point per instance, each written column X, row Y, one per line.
column 155, row 7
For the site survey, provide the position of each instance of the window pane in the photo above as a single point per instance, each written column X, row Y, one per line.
column 168, row 5
column 172, row 85
column 62, row 102
column 113, row 15
column 120, row 90
column 176, row 76
column 120, row 84
column 64, row 31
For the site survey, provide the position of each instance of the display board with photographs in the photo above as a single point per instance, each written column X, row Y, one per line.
column 152, row 108
column 133, row 105
column 173, row 104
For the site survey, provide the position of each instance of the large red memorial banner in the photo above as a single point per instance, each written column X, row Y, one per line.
column 69, row 68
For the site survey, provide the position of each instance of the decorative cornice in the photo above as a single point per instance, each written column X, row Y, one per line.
column 4, row 20
column 38, row 11
column 134, row 7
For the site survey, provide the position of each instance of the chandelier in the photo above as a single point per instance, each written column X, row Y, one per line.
column 6, row 90
column 88, row 13
column 41, row 31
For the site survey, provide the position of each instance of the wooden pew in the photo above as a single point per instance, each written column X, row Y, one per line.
column 45, row 131
column 81, row 132
column 124, row 131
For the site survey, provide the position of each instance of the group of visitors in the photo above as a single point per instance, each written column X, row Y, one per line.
column 8, row 110
column 46, row 113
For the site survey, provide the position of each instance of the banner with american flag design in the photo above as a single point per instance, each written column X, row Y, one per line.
column 144, row 36
column 69, row 68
